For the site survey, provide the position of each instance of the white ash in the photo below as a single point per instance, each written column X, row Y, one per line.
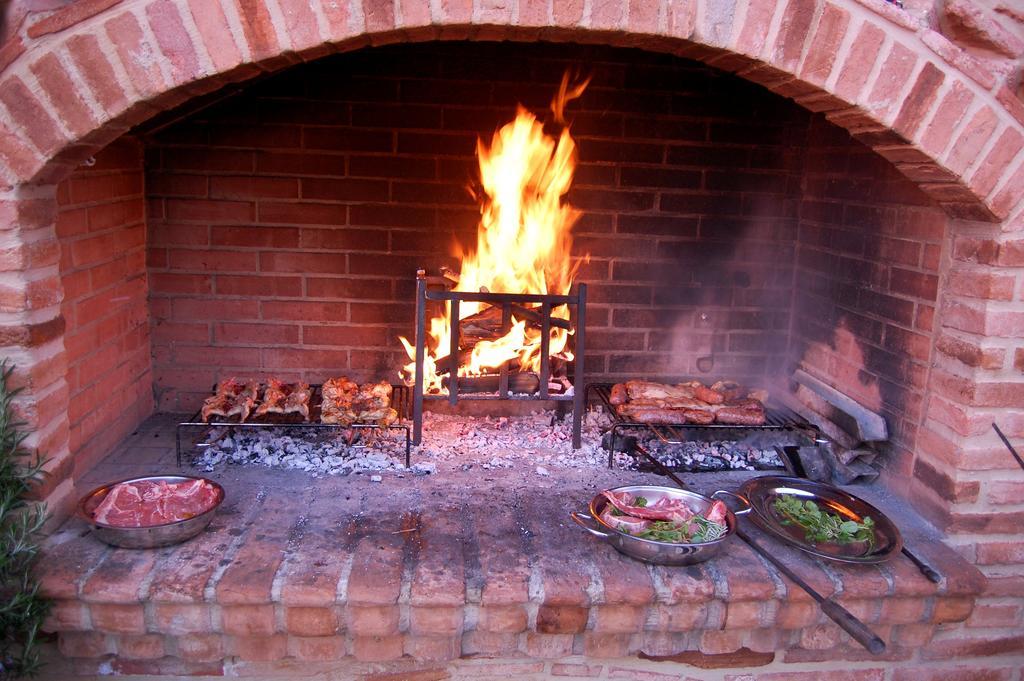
column 320, row 453
column 494, row 442
column 538, row 440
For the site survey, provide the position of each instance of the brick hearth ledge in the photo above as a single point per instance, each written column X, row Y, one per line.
column 421, row 574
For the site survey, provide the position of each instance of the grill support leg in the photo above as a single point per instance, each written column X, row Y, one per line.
column 421, row 355
column 579, row 396
column 453, row 352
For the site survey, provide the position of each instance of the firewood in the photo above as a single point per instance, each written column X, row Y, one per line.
column 488, row 321
column 486, row 325
column 443, row 364
column 523, row 382
column 483, row 325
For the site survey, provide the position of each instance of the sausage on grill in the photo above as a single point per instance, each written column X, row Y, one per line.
column 739, row 416
column 700, row 417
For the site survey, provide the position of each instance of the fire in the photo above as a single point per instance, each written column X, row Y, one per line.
column 524, row 241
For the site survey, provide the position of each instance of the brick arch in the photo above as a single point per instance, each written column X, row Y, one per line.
column 79, row 78
column 85, row 74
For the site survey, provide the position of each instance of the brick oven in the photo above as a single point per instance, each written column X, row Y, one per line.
column 194, row 190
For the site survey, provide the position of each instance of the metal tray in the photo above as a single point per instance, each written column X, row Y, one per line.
column 152, row 536
column 763, row 491
column 649, row 550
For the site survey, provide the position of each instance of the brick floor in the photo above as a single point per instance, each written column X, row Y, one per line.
column 295, row 569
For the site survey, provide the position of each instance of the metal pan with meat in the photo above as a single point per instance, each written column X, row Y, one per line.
column 725, row 403
column 660, row 525
column 151, row 511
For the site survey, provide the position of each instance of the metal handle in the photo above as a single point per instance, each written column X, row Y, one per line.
column 853, row 626
column 837, row 613
column 582, row 519
column 746, row 502
column 926, row 569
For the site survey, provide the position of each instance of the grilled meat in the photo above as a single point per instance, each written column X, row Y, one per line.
column 232, row 397
column 656, row 403
column 345, row 403
column 285, row 398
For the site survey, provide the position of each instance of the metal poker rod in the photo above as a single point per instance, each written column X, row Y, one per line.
column 837, row 613
column 1008, row 445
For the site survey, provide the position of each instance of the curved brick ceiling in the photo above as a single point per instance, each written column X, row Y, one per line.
column 79, row 76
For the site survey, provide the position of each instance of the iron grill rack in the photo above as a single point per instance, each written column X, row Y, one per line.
column 400, row 402
column 776, row 418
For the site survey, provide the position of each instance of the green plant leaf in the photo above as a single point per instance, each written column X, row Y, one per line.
column 22, row 609
column 819, row 525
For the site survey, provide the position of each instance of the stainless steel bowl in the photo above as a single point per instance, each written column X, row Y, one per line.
column 657, row 552
column 155, row 535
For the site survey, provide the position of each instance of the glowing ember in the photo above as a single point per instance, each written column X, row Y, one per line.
column 523, row 242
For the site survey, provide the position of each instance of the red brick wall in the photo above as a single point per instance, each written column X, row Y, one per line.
column 102, row 235
column 286, row 223
column 867, row 281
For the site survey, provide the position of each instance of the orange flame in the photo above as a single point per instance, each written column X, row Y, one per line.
column 524, row 241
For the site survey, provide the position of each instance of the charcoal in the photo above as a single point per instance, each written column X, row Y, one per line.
column 713, row 455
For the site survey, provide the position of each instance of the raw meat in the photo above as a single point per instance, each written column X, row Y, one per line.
column 716, row 513
column 665, row 519
column 626, row 523
column 147, row 503
column 674, row 510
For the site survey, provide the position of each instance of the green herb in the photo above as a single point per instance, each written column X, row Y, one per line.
column 669, row 532
column 822, row 526
column 709, row 530
column 662, row 530
column 639, row 502
column 22, row 608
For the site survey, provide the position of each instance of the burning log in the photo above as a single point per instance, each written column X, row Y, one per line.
column 450, row 276
column 534, row 316
column 524, row 382
column 443, row 365
column 484, row 325
column 487, row 324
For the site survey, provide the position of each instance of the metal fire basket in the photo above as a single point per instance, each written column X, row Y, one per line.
column 508, row 302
